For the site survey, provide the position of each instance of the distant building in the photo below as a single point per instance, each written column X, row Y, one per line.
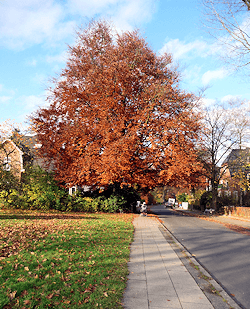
column 235, row 180
column 11, row 157
column 18, row 153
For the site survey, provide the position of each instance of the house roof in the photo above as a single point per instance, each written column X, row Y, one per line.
column 28, row 147
column 238, row 159
column 31, row 146
column 237, row 154
column 28, row 144
column 10, row 141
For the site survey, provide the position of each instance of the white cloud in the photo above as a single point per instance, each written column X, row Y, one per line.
column 90, row 8
column 62, row 57
column 23, row 23
column 197, row 48
column 32, row 62
column 132, row 13
column 192, row 74
column 28, row 105
column 4, row 99
column 124, row 13
column 207, row 102
column 32, row 102
column 21, row 107
column 181, row 49
column 40, row 79
column 230, row 97
column 211, row 75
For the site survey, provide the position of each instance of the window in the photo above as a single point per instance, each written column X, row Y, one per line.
column 227, row 184
column 72, row 190
column 37, row 146
column 235, row 195
column 6, row 164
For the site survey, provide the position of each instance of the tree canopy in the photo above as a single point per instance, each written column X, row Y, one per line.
column 117, row 115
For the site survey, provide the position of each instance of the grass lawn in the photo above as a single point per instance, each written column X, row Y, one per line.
column 55, row 260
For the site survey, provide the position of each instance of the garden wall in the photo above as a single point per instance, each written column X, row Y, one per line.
column 237, row 211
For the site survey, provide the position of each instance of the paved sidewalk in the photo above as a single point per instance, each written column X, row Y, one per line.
column 157, row 278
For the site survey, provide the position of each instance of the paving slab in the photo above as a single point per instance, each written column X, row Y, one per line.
column 157, row 278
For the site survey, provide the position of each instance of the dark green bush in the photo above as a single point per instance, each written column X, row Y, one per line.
column 206, row 199
column 40, row 191
column 183, row 197
column 225, row 200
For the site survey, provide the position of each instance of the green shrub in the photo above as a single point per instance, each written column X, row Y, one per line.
column 9, row 189
column 225, row 200
column 206, row 199
column 195, row 199
column 40, row 191
column 10, row 197
column 112, row 204
column 84, row 204
column 183, row 197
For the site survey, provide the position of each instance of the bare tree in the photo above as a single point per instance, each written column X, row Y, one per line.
column 229, row 22
column 240, row 117
column 223, row 131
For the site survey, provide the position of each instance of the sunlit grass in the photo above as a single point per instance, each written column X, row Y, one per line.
column 63, row 261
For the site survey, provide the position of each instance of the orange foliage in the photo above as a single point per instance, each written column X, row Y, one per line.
column 117, row 115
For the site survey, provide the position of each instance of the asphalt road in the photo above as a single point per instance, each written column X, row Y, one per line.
column 224, row 253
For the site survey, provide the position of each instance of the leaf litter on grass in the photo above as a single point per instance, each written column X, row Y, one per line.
column 78, row 260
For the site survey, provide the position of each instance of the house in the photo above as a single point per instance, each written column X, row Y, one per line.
column 238, row 161
column 17, row 153
column 235, row 180
column 22, row 151
column 11, row 158
column 30, row 147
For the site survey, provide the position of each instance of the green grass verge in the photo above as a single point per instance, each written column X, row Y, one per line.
column 63, row 260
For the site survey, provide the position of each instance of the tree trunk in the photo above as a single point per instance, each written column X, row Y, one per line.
column 214, row 196
column 164, row 194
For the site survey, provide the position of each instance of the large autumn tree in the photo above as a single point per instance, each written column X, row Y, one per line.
column 118, row 115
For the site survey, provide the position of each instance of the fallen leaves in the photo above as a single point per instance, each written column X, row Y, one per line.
column 68, row 267
column 237, row 228
column 12, row 295
column 19, row 237
column 50, row 296
column 32, row 227
column 234, row 227
column 67, row 302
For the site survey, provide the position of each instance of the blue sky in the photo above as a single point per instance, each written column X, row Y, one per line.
column 34, row 35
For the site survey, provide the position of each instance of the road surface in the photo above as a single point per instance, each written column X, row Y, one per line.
column 224, row 253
